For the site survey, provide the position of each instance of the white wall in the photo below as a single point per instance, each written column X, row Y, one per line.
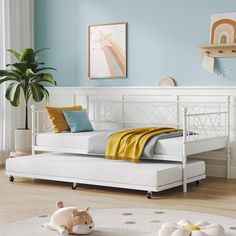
column 63, row 96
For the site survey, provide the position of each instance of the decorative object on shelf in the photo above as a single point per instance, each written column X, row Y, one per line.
column 107, row 51
column 166, row 81
column 222, row 41
column 186, row 228
column 222, row 36
column 223, row 28
column 208, row 63
column 70, row 220
column 26, row 75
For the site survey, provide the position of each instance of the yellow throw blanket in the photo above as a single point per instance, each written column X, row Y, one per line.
column 129, row 144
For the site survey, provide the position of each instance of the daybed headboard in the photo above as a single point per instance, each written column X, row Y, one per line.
column 123, row 111
column 136, row 111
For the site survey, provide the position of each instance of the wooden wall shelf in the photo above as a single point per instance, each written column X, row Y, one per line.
column 218, row 50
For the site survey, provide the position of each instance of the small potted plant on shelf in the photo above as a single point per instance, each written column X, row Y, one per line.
column 26, row 75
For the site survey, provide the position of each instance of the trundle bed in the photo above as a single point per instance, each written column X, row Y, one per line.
column 205, row 126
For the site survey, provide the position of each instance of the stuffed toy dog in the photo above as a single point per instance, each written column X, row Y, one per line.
column 68, row 220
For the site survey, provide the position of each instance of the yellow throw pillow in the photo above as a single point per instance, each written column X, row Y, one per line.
column 57, row 118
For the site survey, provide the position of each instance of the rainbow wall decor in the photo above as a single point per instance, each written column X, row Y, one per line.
column 223, row 28
column 107, row 51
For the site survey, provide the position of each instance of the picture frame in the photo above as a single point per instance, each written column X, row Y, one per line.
column 107, row 51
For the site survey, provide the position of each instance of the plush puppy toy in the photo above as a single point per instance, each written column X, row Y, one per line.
column 68, row 220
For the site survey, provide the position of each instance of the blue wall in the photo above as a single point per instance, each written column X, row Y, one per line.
column 161, row 39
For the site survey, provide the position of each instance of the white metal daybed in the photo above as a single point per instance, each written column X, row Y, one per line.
column 205, row 127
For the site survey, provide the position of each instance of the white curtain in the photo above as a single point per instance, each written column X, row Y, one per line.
column 16, row 32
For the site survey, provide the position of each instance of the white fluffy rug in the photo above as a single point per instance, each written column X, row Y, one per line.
column 120, row 222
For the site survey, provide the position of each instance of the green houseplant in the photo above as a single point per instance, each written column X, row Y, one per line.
column 28, row 76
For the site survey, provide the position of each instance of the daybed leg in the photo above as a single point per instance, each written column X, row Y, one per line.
column 197, row 182
column 185, row 186
column 149, row 194
column 184, row 158
column 228, row 163
column 74, row 186
column 184, row 178
column 228, row 141
column 11, row 178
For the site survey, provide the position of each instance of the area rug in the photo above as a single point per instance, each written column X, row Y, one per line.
column 120, row 222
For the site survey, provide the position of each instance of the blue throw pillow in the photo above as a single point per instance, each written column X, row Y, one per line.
column 78, row 121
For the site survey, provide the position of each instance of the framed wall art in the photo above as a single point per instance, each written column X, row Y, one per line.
column 223, row 28
column 107, row 51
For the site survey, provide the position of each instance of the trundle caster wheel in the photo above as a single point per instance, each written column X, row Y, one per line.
column 149, row 195
column 74, row 186
column 11, row 178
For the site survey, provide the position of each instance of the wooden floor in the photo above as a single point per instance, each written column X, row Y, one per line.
column 25, row 198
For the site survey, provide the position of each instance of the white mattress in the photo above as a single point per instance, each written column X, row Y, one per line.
column 66, row 140
column 171, row 146
column 148, row 173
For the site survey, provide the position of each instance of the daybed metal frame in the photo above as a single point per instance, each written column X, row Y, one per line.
column 204, row 129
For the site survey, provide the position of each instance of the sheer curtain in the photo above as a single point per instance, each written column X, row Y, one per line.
column 16, row 32
column 5, row 111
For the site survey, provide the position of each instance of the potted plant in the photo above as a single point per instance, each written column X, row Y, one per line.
column 26, row 75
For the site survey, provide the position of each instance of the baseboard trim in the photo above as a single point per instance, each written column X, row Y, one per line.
column 2, row 160
column 219, row 171
column 3, row 157
column 216, row 171
column 233, row 172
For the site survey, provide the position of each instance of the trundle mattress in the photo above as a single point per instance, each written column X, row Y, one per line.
column 99, row 171
column 169, row 146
